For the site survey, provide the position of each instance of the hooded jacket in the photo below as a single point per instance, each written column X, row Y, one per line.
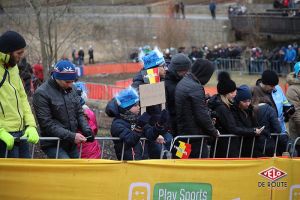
column 133, row 148
column 192, row 113
column 170, row 85
column 15, row 111
column 293, row 95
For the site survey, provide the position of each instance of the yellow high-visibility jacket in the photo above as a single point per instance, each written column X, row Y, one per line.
column 15, row 112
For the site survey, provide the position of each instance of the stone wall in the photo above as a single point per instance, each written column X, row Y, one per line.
column 116, row 33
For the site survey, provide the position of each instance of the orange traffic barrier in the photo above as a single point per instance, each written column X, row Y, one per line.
column 113, row 68
column 124, row 83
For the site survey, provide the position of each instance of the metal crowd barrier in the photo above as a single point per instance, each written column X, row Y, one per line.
column 168, row 153
column 226, row 64
column 202, row 137
column 294, row 147
column 253, row 66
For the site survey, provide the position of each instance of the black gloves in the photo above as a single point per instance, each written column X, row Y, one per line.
column 288, row 111
column 90, row 138
column 142, row 120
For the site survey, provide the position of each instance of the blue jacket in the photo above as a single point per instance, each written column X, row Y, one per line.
column 267, row 117
column 290, row 55
column 280, row 101
column 134, row 148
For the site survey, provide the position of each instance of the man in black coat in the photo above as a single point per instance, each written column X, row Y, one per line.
column 59, row 113
column 192, row 113
column 179, row 66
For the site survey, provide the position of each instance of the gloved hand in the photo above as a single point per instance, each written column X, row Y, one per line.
column 288, row 111
column 90, row 138
column 143, row 120
column 164, row 115
column 7, row 138
column 32, row 135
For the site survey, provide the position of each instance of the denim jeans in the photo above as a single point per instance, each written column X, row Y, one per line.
column 63, row 153
column 20, row 149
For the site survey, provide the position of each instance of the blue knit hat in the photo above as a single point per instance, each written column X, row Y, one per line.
column 64, row 70
column 243, row 93
column 127, row 98
column 297, row 69
column 153, row 59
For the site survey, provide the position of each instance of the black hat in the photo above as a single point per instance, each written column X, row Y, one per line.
column 203, row 69
column 225, row 84
column 11, row 41
column 180, row 62
column 269, row 77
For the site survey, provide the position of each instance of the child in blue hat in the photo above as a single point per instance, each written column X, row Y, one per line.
column 130, row 126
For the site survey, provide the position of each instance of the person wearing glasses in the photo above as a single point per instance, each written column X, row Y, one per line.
column 59, row 113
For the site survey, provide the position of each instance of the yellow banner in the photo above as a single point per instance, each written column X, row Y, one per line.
column 148, row 180
column 292, row 180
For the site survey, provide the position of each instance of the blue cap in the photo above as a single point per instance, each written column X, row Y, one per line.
column 64, row 70
column 153, row 59
column 127, row 97
column 243, row 93
column 297, row 68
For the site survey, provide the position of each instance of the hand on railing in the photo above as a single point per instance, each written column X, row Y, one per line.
column 258, row 131
column 160, row 140
column 79, row 138
column 32, row 135
column 7, row 138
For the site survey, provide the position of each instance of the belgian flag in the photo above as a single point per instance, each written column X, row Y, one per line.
column 183, row 150
column 151, row 75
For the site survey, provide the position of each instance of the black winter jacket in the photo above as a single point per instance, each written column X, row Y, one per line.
column 170, row 85
column 226, row 122
column 192, row 112
column 59, row 114
column 125, row 131
column 154, row 110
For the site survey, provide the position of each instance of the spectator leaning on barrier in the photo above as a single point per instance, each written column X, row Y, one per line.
column 293, row 95
column 179, row 66
column 151, row 60
column 191, row 110
column 222, row 104
column 59, row 112
column 268, row 87
column 130, row 126
column 88, row 149
column 16, row 118
column 260, row 121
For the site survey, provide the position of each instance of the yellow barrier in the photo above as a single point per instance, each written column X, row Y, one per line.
column 258, row 179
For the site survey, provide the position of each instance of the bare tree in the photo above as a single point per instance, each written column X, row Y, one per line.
column 48, row 17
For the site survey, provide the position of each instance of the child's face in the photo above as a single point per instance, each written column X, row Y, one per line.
column 135, row 109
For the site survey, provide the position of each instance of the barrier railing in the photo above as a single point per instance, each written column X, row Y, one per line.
column 294, row 146
column 229, row 137
column 253, row 66
column 187, row 138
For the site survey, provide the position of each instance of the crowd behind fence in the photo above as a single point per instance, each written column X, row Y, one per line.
column 250, row 66
column 106, row 145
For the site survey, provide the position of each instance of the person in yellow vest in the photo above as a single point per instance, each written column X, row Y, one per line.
column 16, row 118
